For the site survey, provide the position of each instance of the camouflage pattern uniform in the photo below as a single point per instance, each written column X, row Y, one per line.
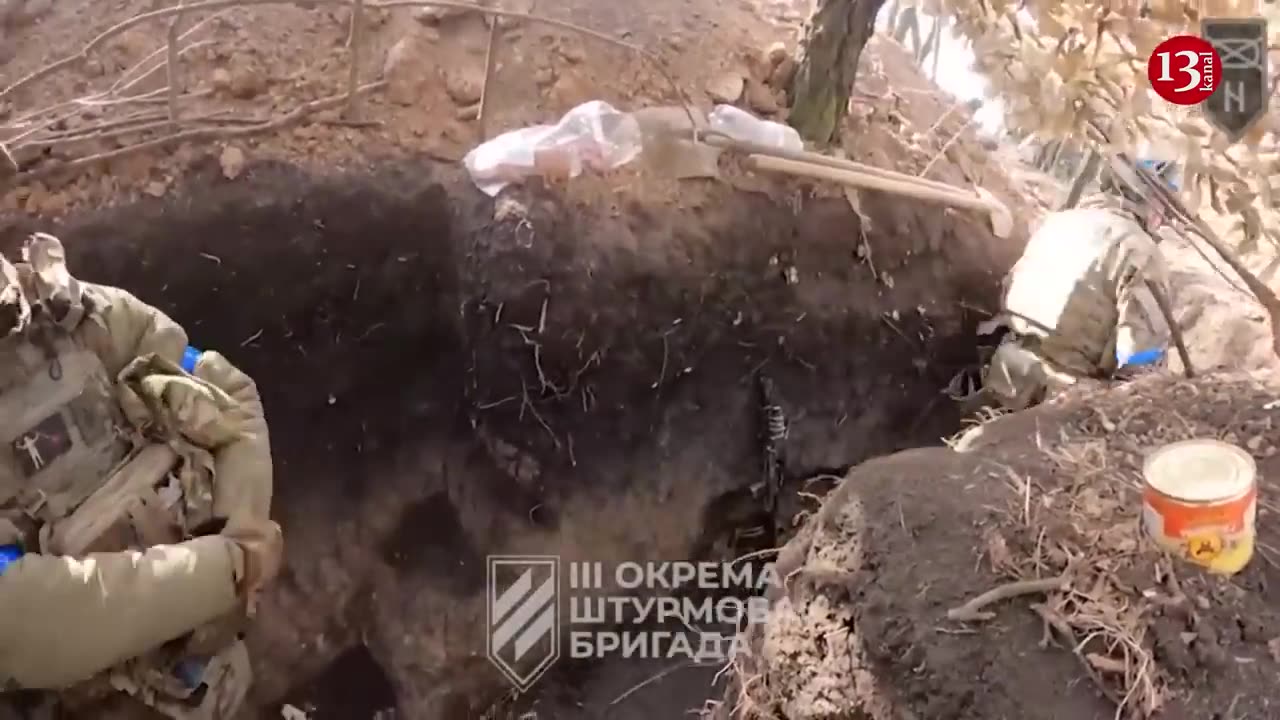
column 140, row 494
column 1076, row 303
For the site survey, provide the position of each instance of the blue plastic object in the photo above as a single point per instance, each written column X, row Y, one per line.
column 1158, row 168
column 1142, row 357
column 9, row 554
column 190, row 672
column 190, row 357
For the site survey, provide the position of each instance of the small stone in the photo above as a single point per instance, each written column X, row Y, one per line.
column 35, row 199
column 57, row 203
column 544, row 76
column 726, row 88
column 572, row 54
column 405, row 69
column 156, row 188
column 761, row 98
column 247, row 83
column 468, row 113
column 221, row 80
column 782, row 73
column 430, row 15
column 464, row 87
column 1254, row 442
column 437, row 15
column 232, row 161
column 776, row 53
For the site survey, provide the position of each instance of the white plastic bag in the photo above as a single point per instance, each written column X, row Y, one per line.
column 593, row 135
column 738, row 124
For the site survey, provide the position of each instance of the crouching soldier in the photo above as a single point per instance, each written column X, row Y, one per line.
column 135, row 487
column 1084, row 299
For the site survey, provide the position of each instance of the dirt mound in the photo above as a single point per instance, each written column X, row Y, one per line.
column 863, row 630
column 565, row 377
column 243, row 66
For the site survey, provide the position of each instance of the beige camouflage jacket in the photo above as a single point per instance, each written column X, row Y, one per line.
column 67, row 615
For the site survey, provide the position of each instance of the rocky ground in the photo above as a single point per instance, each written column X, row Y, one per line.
column 572, row 369
column 245, row 65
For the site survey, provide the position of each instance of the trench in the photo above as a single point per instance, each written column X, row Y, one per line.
column 580, row 380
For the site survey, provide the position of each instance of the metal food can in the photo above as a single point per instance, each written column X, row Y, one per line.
column 1200, row 502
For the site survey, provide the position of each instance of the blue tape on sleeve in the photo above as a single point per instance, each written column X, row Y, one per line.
column 1142, row 357
column 190, row 357
column 9, row 554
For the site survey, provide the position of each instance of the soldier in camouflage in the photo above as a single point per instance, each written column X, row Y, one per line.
column 1079, row 302
column 135, row 488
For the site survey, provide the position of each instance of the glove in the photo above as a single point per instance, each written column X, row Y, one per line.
column 262, row 548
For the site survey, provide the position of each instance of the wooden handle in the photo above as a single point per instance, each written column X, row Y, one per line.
column 954, row 197
column 812, row 158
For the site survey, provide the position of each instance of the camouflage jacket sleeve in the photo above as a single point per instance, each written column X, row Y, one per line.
column 122, row 328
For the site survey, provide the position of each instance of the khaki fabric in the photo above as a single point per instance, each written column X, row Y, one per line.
column 1079, row 283
column 67, row 619
column 1019, row 378
column 227, row 677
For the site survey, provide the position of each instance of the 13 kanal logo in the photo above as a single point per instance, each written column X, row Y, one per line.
column 1185, row 70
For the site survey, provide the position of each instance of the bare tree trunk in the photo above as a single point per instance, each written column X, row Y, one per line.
column 1083, row 178
column 922, row 52
column 907, row 22
column 891, row 28
column 828, row 63
column 1046, row 156
column 937, row 46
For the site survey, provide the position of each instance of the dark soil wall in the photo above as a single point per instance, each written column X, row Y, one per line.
column 416, row 429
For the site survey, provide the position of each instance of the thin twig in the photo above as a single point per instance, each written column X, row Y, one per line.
column 97, row 101
column 354, row 36
column 145, row 116
column 9, row 156
column 153, row 121
column 295, row 116
column 925, row 172
column 651, row 680
column 1166, row 309
column 120, row 85
column 171, row 60
column 972, row 610
column 102, row 37
column 490, row 55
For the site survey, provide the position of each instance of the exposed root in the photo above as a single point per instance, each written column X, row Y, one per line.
column 972, row 611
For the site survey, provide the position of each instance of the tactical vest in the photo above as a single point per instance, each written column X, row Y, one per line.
column 60, row 425
column 62, row 436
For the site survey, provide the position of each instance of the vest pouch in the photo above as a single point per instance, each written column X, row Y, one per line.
column 194, row 687
column 126, row 512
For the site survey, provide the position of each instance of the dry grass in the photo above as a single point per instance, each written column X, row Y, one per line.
column 1087, row 529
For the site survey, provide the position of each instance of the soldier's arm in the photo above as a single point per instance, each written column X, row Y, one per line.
column 65, row 619
column 129, row 328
